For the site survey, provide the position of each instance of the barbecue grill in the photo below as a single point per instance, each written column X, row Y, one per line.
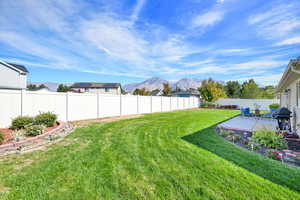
column 283, row 116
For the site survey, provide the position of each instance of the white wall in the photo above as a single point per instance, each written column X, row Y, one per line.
column 11, row 78
column 243, row 103
column 74, row 106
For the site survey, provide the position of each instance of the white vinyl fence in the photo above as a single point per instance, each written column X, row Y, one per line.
column 74, row 106
column 243, row 103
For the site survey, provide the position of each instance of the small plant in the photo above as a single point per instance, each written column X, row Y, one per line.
column 297, row 160
column 253, row 146
column 274, row 105
column 34, row 130
column 47, row 119
column 1, row 137
column 18, row 135
column 269, row 138
column 273, row 154
column 21, row 122
column 225, row 133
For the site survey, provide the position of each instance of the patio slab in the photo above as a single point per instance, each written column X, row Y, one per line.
column 248, row 124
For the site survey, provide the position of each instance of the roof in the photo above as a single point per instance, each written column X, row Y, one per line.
column 95, row 85
column 16, row 67
column 20, row 67
column 291, row 74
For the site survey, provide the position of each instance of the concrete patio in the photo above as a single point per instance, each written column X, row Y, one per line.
column 248, row 124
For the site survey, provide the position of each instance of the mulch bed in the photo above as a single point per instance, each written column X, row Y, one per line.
column 8, row 133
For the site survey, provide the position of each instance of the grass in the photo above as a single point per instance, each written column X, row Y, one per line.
column 160, row 156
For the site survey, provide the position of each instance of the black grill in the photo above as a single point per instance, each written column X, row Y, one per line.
column 283, row 116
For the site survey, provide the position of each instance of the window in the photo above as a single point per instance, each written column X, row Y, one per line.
column 107, row 89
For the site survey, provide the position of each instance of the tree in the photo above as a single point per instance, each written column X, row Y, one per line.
column 167, row 91
column 33, row 87
column 63, row 88
column 233, row 89
column 211, row 90
column 250, row 90
column 269, row 92
column 142, row 92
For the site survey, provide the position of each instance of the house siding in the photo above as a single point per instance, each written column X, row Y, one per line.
column 289, row 100
column 11, row 78
column 99, row 90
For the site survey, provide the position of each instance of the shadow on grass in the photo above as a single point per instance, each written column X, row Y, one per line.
column 274, row 171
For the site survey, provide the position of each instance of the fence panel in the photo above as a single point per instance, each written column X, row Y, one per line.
column 10, row 106
column 109, row 105
column 262, row 103
column 144, row 104
column 82, row 106
column 174, row 103
column 166, row 103
column 35, row 102
column 129, row 105
column 156, row 104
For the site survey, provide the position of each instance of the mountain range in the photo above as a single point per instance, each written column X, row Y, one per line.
column 149, row 84
column 157, row 83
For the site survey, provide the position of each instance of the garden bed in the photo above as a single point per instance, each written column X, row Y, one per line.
column 244, row 140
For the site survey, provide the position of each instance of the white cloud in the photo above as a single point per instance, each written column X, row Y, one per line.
column 271, row 79
column 290, row 41
column 278, row 22
column 209, row 18
column 259, row 64
column 137, row 9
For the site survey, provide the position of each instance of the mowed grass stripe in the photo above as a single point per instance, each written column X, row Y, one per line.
column 143, row 158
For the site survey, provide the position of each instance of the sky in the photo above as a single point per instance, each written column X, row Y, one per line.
column 129, row 41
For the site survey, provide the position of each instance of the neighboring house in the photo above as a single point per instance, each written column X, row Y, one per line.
column 289, row 91
column 102, row 88
column 190, row 93
column 12, row 76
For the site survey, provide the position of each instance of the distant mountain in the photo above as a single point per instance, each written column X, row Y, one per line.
column 52, row 86
column 149, row 84
column 187, row 83
column 157, row 83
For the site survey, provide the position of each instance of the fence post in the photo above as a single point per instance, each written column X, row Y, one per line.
column 161, row 103
column 120, row 104
column 23, row 94
column 151, row 104
column 67, row 106
column 177, row 103
column 170, row 103
column 98, row 105
column 137, row 104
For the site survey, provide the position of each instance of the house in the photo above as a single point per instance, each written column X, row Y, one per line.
column 13, row 76
column 289, row 91
column 189, row 93
column 102, row 88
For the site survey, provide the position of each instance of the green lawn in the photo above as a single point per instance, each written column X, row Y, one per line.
column 160, row 156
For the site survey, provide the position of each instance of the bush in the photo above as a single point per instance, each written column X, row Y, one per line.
column 1, row 137
column 226, row 133
column 274, row 105
column 273, row 154
column 269, row 138
column 34, row 130
column 47, row 119
column 21, row 122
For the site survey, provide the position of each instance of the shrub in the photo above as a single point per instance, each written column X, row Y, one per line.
column 226, row 133
column 47, row 119
column 34, row 130
column 269, row 138
column 21, row 122
column 253, row 146
column 1, row 137
column 274, row 105
column 18, row 135
column 273, row 154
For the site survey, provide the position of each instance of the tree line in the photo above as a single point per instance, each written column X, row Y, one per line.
column 212, row 90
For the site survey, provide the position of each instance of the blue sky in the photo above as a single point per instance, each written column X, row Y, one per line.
column 130, row 40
